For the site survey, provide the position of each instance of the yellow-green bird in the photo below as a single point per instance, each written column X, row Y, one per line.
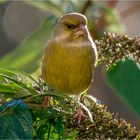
column 70, row 56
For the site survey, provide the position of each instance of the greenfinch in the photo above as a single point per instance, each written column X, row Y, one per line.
column 70, row 56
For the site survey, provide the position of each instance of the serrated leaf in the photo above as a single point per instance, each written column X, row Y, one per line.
column 15, row 121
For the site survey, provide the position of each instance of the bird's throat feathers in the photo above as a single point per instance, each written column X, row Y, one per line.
column 67, row 41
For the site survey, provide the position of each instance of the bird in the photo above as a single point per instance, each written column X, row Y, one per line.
column 70, row 56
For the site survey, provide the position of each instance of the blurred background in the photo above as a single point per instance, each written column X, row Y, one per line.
column 25, row 27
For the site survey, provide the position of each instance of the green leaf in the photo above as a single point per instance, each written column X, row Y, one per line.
column 13, row 91
column 50, row 123
column 15, row 121
column 46, row 120
column 41, row 131
column 56, row 96
column 124, row 78
column 20, row 84
column 9, row 90
column 28, row 54
column 13, row 72
column 48, row 113
column 59, row 126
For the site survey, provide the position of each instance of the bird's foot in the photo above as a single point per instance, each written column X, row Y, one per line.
column 79, row 115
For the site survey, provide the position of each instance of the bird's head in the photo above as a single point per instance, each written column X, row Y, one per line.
column 71, row 26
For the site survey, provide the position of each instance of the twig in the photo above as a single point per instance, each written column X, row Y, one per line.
column 85, row 6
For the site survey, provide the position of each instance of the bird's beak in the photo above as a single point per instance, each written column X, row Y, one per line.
column 81, row 31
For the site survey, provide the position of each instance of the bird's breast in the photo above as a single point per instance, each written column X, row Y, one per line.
column 68, row 68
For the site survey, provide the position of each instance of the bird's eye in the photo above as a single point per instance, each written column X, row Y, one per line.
column 71, row 26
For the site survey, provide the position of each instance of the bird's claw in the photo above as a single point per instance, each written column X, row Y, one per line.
column 79, row 115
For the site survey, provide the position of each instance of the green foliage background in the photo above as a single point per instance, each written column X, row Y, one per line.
column 124, row 78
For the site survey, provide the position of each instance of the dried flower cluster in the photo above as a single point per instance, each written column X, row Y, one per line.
column 105, row 126
column 114, row 47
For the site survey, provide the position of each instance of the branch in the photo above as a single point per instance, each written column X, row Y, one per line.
column 114, row 47
column 85, row 6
